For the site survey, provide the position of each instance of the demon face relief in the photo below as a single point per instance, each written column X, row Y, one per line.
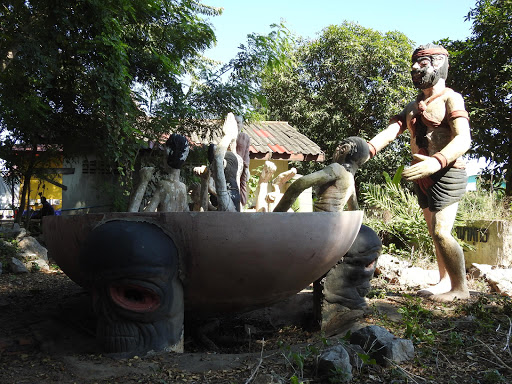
column 132, row 271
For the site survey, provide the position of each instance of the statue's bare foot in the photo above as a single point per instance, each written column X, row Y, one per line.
column 443, row 286
column 450, row 296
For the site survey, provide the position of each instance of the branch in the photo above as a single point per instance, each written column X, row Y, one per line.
column 502, row 363
column 258, row 366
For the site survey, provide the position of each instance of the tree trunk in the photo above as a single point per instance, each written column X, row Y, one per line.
column 27, row 175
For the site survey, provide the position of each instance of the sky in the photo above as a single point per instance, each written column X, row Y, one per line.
column 442, row 19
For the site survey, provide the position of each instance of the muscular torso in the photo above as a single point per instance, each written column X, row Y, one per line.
column 438, row 131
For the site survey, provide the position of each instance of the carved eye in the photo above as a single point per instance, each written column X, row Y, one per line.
column 134, row 297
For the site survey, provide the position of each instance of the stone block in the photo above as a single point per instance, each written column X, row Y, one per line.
column 492, row 241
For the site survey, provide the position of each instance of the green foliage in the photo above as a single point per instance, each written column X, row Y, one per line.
column 8, row 248
column 479, row 309
column 417, row 319
column 480, row 69
column 252, row 183
column 347, row 82
column 393, row 212
column 75, row 75
column 492, row 376
column 484, row 205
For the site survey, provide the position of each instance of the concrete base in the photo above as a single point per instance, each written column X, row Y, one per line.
column 492, row 241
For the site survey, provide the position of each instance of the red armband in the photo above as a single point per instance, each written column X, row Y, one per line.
column 460, row 113
column 441, row 158
column 373, row 150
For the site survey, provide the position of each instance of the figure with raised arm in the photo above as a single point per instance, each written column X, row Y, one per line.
column 439, row 127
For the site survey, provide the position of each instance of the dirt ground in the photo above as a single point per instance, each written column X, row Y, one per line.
column 47, row 336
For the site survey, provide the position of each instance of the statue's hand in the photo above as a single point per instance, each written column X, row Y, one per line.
column 426, row 166
column 230, row 127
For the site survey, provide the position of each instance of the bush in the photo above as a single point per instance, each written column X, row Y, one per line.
column 484, row 205
column 393, row 212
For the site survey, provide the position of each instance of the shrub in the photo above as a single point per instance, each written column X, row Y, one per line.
column 393, row 212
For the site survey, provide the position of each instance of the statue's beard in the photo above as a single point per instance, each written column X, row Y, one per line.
column 423, row 78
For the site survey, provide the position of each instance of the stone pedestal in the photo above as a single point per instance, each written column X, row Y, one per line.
column 492, row 241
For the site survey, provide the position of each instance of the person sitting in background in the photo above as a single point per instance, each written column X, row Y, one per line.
column 47, row 209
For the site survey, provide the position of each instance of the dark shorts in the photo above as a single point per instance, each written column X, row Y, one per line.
column 449, row 187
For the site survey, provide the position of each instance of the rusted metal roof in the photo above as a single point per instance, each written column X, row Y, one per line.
column 276, row 140
column 279, row 140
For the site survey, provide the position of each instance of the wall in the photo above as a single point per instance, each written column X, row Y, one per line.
column 89, row 188
column 492, row 241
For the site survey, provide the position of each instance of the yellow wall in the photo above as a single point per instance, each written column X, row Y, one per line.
column 50, row 191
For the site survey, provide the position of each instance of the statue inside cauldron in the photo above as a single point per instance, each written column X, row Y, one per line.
column 171, row 193
column 340, row 295
column 440, row 134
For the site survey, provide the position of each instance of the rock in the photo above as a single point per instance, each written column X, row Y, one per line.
column 268, row 379
column 499, row 279
column 383, row 346
column 38, row 264
column 418, row 277
column 11, row 232
column 390, row 267
column 30, row 249
column 337, row 319
column 354, row 351
column 22, row 234
column 17, row 266
column 336, row 359
column 400, row 271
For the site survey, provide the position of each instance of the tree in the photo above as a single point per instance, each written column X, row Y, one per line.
column 481, row 69
column 347, row 82
column 68, row 72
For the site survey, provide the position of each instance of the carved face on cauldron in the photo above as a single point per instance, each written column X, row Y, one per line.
column 132, row 270
column 349, row 281
column 429, row 64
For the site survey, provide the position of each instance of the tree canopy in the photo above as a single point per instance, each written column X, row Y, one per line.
column 69, row 74
column 481, row 70
column 347, row 82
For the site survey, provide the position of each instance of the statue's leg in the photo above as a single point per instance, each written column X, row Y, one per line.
column 343, row 289
column 444, row 284
column 449, row 255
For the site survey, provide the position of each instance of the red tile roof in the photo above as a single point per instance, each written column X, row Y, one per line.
column 279, row 140
column 276, row 140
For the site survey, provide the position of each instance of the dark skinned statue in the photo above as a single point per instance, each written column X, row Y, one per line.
column 132, row 269
column 340, row 295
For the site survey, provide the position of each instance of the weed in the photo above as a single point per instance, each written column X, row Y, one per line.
column 34, row 267
column 339, row 375
column 479, row 309
column 493, row 377
column 416, row 318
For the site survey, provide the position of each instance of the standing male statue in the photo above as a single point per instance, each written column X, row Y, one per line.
column 440, row 135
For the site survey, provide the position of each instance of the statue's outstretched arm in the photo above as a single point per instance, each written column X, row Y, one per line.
column 326, row 175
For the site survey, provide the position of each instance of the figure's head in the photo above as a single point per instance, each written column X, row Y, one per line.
column 43, row 199
column 352, row 153
column 177, row 150
column 429, row 64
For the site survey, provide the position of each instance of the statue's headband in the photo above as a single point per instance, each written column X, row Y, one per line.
column 430, row 52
